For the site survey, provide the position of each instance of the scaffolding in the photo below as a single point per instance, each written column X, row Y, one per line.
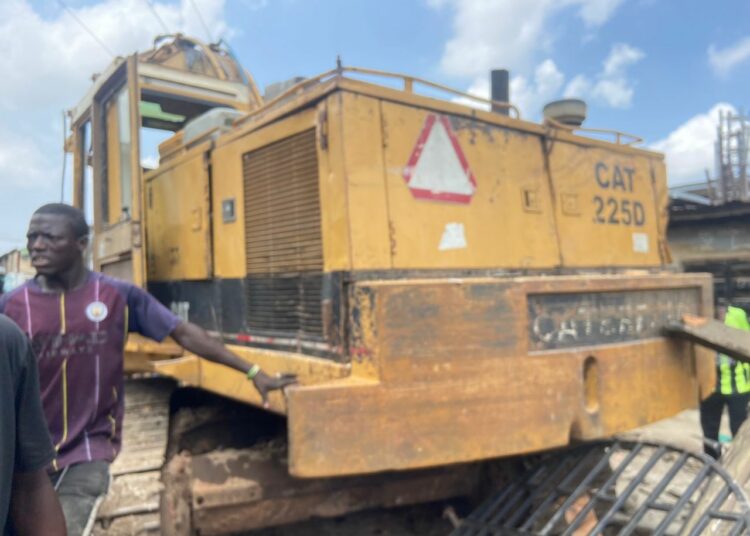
column 709, row 222
column 729, row 182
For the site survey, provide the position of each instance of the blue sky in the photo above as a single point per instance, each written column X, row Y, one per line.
column 657, row 68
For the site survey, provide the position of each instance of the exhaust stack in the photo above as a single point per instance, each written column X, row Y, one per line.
column 500, row 89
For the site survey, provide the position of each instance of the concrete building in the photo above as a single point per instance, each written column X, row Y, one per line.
column 15, row 268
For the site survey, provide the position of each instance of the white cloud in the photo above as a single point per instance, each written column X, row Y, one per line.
column 597, row 12
column 508, row 33
column 617, row 93
column 49, row 61
column 724, row 60
column 689, row 148
column 579, row 86
column 513, row 33
column 611, row 86
column 479, row 88
column 23, row 164
column 620, row 57
column 530, row 96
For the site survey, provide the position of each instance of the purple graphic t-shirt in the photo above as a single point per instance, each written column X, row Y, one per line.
column 79, row 339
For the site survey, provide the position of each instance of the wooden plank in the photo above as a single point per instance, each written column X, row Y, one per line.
column 714, row 335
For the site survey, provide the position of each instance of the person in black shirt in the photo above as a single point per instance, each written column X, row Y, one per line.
column 28, row 503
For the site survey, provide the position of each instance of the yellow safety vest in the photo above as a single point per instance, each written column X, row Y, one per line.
column 734, row 377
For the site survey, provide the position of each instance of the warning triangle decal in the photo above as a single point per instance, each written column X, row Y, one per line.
column 437, row 168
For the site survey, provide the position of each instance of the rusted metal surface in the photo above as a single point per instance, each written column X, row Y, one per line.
column 585, row 319
column 455, row 377
column 227, row 491
column 175, row 514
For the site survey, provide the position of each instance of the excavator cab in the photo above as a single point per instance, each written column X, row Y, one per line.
column 136, row 104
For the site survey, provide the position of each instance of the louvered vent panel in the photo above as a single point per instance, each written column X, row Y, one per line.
column 284, row 247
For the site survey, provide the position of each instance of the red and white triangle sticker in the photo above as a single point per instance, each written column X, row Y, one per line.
column 437, row 168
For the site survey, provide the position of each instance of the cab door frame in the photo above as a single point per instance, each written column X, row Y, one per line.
column 117, row 245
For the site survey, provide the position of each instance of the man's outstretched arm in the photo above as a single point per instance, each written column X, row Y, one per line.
column 34, row 507
column 194, row 339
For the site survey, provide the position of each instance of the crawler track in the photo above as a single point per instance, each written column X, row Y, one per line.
column 132, row 505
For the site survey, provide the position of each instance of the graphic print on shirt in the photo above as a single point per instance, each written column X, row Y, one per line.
column 79, row 338
column 96, row 311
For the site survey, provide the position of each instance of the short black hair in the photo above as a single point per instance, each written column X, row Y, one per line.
column 75, row 217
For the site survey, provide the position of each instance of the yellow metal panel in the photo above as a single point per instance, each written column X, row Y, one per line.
column 227, row 184
column 455, row 108
column 605, row 205
column 113, row 164
column 198, row 372
column 114, row 243
column 334, row 208
column 460, row 383
column 705, row 364
column 186, row 370
column 421, row 330
column 137, row 343
column 138, row 255
column 365, row 182
column 179, row 225
column 508, row 221
column 519, row 405
column 79, row 164
column 661, row 197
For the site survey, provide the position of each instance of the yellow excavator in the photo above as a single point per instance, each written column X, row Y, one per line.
column 451, row 284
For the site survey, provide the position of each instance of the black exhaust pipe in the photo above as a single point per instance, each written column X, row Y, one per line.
column 500, row 89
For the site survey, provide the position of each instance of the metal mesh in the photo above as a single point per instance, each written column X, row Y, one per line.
column 283, row 237
column 615, row 488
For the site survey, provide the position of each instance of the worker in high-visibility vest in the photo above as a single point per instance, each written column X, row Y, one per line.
column 732, row 390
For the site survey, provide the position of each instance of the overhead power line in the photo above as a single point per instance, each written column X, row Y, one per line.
column 156, row 14
column 79, row 21
column 203, row 22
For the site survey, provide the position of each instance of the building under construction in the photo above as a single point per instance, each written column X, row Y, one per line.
column 709, row 228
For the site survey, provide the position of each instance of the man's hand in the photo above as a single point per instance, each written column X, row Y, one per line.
column 194, row 339
column 265, row 383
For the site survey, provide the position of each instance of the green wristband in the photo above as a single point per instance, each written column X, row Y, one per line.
column 253, row 372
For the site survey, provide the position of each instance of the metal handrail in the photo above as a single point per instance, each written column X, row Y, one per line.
column 409, row 82
column 616, row 133
column 409, row 87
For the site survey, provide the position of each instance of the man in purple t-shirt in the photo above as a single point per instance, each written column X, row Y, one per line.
column 78, row 321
